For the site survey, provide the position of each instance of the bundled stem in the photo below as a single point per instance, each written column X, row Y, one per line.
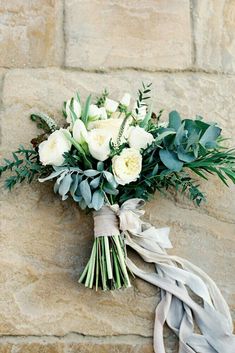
column 106, row 267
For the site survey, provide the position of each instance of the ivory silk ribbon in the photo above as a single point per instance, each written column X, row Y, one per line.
column 174, row 276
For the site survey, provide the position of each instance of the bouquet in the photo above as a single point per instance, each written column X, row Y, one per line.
column 110, row 157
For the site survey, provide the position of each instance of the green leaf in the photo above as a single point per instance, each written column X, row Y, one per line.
column 91, row 172
column 210, row 136
column 85, row 191
column 174, row 120
column 110, row 178
column 170, row 160
column 100, row 166
column 163, row 135
column 65, row 186
column 86, row 110
column 95, row 182
column 185, row 156
column 97, row 199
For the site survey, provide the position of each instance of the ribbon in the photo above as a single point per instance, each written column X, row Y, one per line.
column 201, row 328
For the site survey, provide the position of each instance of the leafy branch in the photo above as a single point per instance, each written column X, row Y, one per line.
column 25, row 165
column 101, row 99
column 220, row 163
column 143, row 95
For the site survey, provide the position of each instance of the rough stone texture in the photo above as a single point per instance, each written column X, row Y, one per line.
column 31, row 33
column 45, row 242
column 75, row 343
column 145, row 34
column 214, row 31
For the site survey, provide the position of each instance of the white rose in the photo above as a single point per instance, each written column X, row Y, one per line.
column 142, row 111
column 94, row 111
column 79, row 131
column 112, row 126
column 51, row 151
column 139, row 138
column 110, row 105
column 126, row 99
column 76, row 106
column 103, row 113
column 127, row 166
column 98, row 143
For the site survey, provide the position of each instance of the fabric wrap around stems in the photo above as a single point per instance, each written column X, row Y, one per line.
column 174, row 276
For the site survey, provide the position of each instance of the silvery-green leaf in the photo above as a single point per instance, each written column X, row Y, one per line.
column 109, row 189
column 180, row 135
column 164, row 134
column 91, row 172
column 210, row 135
column 85, row 191
column 82, row 204
column 95, row 183
column 110, row 178
column 56, row 187
column 97, row 199
column 185, row 156
column 65, row 186
column 155, row 170
column 170, row 160
column 51, row 176
column 100, row 166
column 174, row 120
column 74, row 185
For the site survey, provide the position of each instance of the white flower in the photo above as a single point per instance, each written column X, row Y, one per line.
column 142, row 111
column 103, row 113
column 139, row 138
column 79, row 131
column 126, row 99
column 98, row 144
column 94, row 111
column 110, row 105
column 127, row 166
column 51, row 151
column 112, row 126
column 76, row 107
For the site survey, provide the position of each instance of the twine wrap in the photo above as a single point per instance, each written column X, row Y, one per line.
column 105, row 222
column 173, row 275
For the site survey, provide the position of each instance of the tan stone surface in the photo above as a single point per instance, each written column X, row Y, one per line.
column 45, row 242
column 149, row 34
column 214, row 31
column 77, row 344
column 31, row 33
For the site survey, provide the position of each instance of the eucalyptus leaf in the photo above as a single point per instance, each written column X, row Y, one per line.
column 91, row 172
column 185, row 156
column 174, row 120
column 100, row 166
column 110, row 178
column 85, row 191
column 65, row 186
column 97, row 199
column 95, row 182
column 109, row 189
column 170, row 160
column 210, row 135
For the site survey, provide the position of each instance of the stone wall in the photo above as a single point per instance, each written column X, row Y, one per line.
column 49, row 49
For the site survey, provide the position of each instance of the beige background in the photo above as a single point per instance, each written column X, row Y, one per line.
column 49, row 49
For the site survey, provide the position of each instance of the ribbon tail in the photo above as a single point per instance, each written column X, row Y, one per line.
column 177, row 307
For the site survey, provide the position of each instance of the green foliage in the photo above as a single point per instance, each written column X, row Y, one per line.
column 25, row 165
column 101, row 99
column 44, row 122
column 90, row 188
column 143, row 96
